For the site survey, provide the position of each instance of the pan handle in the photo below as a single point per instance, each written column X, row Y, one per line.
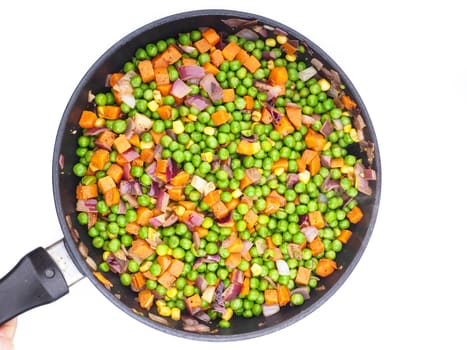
column 35, row 280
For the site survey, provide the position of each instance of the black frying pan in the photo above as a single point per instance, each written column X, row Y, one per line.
column 38, row 279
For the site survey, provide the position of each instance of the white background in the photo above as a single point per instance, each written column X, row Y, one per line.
column 407, row 59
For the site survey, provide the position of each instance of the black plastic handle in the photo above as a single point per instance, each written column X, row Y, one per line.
column 36, row 280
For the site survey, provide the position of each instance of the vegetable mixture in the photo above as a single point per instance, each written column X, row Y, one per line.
column 217, row 175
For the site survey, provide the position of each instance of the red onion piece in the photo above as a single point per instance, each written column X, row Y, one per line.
column 269, row 310
column 254, row 175
column 191, row 72
column 210, row 84
column 307, row 73
column 125, row 90
column 130, row 155
column 301, row 290
column 294, row 251
column 116, row 265
column 162, row 200
column 196, row 219
column 131, row 200
column 271, row 91
column 209, row 293
column 326, row 128
column 157, row 221
column 187, row 48
column 180, row 89
column 172, row 219
column 232, row 291
column 246, row 247
column 282, row 267
column 201, row 283
column 197, row 101
column 142, row 123
column 86, row 205
column 292, row 179
column 61, row 161
column 94, row 131
column 239, row 22
column 238, row 276
column 247, row 34
column 325, row 160
column 310, row 232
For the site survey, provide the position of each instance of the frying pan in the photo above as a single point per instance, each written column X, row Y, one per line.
column 44, row 275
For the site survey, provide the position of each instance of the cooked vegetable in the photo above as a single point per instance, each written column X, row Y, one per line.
column 218, row 180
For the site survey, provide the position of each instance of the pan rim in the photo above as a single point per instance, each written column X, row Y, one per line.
column 56, row 174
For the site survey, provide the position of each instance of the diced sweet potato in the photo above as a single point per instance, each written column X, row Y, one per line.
column 219, row 210
column 166, row 279
column 146, row 299
column 86, row 191
column 270, row 297
column 146, row 70
column 303, row 275
column 87, row 119
column 105, row 184
column 325, row 267
column 176, row 267
column 121, row 144
column 141, row 249
column 99, row 159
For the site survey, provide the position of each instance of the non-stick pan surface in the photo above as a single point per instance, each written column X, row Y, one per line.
column 64, row 182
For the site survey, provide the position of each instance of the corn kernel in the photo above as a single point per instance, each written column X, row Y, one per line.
column 346, row 113
column 164, row 311
column 347, row 128
column 256, row 269
column 347, row 169
column 256, row 116
column 153, row 106
column 105, row 255
column 279, row 171
column 354, row 135
column 146, row 145
column 192, row 117
column 153, row 200
column 178, row 127
column 324, row 84
column 271, row 42
column 271, row 64
column 237, row 193
column 145, row 266
column 157, row 96
column 188, row 145
column 179, row 210
column 281, row 39
column 227, row 315
column 160, row 303
column 304, row 176
column 209, row 130
column 291, row 57
column 172, row 292
column 207, row 157
column 100, row 111
column 327, row 146
column 176, row 313
column 99, row 122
